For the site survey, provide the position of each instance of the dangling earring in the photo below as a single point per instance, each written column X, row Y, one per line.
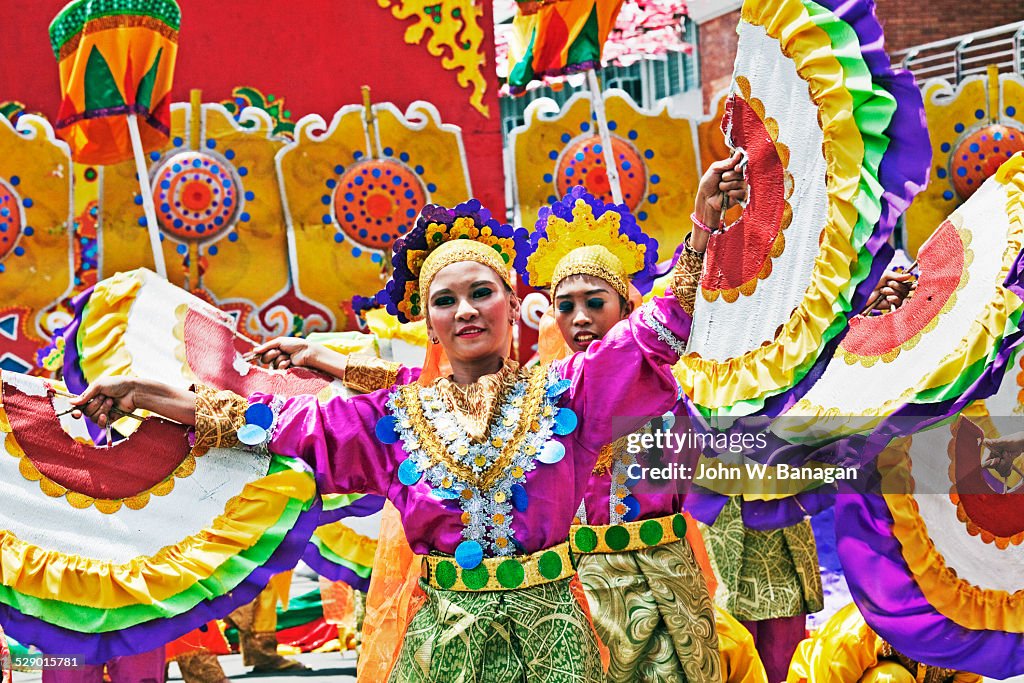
column 434, row 340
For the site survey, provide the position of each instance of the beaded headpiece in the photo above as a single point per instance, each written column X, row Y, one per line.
column 442, row 237
column 581, row 235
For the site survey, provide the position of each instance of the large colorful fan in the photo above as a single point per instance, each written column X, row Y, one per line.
column 140, row 324
column 108, row 551
column 836, row 148
column 936, row 564
column 947, row 345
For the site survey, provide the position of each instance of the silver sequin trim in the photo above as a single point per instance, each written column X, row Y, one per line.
column 664, row 334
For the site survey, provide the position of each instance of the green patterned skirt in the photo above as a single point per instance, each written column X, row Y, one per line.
column 764, row 574
column 538, row 634
column 652, row 609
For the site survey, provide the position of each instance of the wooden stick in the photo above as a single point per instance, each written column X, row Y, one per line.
column 597, row 104
column 147, row 198
column 122, row 413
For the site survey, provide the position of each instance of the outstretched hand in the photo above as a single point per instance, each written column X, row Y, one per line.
column 286, row 352
column 104, row 397
column 1003, row 451
column 722, row 180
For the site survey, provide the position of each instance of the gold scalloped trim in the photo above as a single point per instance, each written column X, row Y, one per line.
column 779, row 243
column 1011, row 174
column 893, row 354
column 986, row 536
column 80, row 501
column 804, row 408
column 435, row 449
column 966, row 604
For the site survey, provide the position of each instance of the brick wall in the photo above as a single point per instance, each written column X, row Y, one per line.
column 906, row 24
column 717, row 45
column 912, row 23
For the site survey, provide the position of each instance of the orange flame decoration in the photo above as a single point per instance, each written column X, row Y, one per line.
column 116, row 59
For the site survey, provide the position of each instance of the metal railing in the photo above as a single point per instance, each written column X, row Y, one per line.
column 954, row 59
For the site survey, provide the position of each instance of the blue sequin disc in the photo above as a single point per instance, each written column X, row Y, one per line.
column 408, row 473
column 565, row 421
column 469, row 554
column 386, row 429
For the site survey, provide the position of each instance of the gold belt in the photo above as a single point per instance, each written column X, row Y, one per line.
column 617, row 538
column 500, row 573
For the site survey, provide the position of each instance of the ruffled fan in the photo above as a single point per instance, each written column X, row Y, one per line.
column 836, row 148
column 106, row 552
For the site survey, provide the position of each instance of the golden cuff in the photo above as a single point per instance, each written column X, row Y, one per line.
column 367, row 373
column 618, row 538
column 500, row 573
column 686, row 277
column 219, row 414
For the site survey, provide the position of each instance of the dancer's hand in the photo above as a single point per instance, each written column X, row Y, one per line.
column 894, row 288
column 104, row 397
column 722, row 179
column 1003, row 451
column 286, row 352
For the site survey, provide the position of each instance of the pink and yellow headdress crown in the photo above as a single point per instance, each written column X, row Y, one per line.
column 441, row 237
column 581, row 235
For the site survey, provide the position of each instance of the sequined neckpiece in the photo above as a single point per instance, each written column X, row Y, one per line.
column 474, row 405
column 486, row 477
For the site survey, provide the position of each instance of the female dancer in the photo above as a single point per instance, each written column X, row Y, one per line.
column 487, row 466
column 649, row 600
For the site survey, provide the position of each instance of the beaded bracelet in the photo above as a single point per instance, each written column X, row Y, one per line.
column 700, row 225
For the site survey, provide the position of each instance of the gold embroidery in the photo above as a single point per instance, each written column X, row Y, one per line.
column 608, row 455
column 920, row 672
column 475, row 405
column 366, row 373
column 604, row 459
column 219, row 414
column 436, row 450
column 686, row 278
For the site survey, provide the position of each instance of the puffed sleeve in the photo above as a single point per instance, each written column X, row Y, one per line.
column 336, row 437
column 625, row 378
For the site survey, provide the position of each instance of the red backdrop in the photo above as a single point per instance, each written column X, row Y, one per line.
column 314, row 53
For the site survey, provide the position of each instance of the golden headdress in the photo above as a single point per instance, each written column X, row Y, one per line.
column 441, row 237
column 581, row 235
